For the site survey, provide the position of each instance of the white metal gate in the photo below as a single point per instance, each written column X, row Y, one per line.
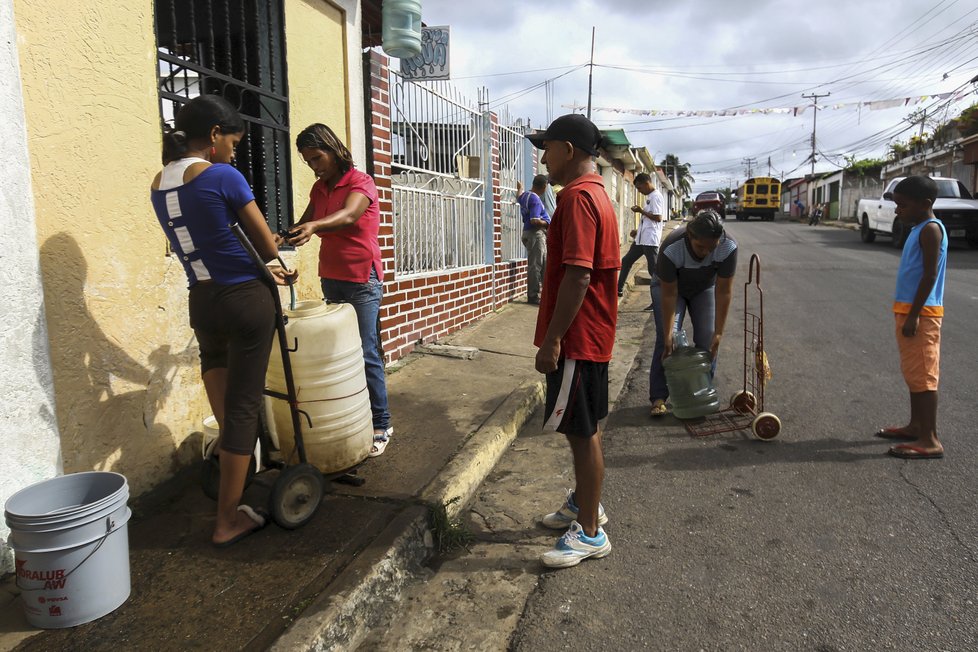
column 512, row 169
column 438, row 142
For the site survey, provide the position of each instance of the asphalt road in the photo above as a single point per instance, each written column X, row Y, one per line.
column 816, row 540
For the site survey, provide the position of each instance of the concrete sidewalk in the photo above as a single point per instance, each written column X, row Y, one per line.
column 323, row 586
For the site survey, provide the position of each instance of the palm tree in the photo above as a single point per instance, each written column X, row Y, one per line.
column 679, row 173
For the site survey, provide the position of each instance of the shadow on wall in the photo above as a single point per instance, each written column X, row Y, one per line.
column 104, row 423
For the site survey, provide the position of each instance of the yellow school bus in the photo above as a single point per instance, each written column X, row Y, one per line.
column 759, row 196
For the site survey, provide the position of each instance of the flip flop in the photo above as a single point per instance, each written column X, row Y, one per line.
column 259, row 516
column 908, row 452
column 893, row 433
column 659, row 408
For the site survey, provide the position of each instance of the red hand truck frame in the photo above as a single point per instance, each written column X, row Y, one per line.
column 746, row 409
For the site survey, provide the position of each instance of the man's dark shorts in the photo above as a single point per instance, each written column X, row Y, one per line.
column 577, row 397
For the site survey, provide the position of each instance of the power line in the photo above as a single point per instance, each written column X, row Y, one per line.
column 514, row 72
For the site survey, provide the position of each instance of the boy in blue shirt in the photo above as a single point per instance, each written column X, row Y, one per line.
column 919, row 309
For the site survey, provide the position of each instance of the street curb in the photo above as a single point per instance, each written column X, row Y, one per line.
column 464, row 473
column 363, row 592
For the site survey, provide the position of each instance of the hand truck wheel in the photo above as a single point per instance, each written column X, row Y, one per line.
column 210, row 476
column 296, row 495
column 743, row 401
column 766, row 426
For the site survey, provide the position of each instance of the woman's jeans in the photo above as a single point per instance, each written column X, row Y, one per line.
column 365, row 299
column 702, row 313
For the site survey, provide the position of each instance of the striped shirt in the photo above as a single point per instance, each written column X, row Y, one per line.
column 678, row 264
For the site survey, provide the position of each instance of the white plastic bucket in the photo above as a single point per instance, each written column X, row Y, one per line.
column 212, row 432
column 70, row 537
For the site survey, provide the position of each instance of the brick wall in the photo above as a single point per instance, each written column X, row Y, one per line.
column 427, row 307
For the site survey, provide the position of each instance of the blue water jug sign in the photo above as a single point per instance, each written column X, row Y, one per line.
column 433, row 61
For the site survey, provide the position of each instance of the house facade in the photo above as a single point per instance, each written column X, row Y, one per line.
column 840, row 191
column 449, row 224
column 957, row 159
column 100, row 357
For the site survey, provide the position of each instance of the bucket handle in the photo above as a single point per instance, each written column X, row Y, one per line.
column 109, row 529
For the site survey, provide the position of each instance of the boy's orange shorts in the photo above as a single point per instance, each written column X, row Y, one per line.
column 920, row 355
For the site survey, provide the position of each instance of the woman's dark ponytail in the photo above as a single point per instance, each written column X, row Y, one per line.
column 194, row 122
column 706, row 225
column 174, row 145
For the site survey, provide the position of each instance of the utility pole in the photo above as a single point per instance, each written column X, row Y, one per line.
column 913, row 117
column 814, row 98
column 749, row 162
column 590, row 75
column 768, row 166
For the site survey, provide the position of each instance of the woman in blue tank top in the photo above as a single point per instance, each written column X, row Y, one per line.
column 197, row 197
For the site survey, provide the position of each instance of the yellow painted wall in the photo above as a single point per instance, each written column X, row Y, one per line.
column 125, row 372
column 314, row 37
column 127, row 385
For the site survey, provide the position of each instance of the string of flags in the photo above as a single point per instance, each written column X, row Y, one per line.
column 872, row 105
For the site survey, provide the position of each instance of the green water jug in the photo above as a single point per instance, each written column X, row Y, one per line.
column 690, row 381
column 401, row 29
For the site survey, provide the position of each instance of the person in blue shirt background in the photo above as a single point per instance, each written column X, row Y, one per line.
column 535, row 223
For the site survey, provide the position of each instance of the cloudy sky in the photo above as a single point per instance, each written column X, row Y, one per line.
column 702, row 55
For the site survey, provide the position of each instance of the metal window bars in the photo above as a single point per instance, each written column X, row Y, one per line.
column 512, row 169
column 438, row 145
column 441, row 149
column 235, row 49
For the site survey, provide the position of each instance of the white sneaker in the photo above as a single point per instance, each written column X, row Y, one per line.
column 575, row 546
column 380, row 443
column 567, row 514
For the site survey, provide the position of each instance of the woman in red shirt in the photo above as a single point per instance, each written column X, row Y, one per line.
column 343, row 212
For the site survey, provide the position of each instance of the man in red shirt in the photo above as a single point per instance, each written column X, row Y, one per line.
column 576, row 328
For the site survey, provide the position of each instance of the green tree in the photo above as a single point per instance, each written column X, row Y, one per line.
column 897, row 150
column 967, row 122
column 864, row 167
column 679, row 173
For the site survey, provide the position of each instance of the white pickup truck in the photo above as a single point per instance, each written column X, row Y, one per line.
column 954, row 207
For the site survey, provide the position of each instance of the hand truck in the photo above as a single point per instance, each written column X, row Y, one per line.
column 299, row 488
column 747, row 405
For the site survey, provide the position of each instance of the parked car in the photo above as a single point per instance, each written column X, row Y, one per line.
column 711, row 200
column 955, row 207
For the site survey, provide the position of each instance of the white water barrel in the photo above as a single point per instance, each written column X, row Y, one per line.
column 327, row 362
column 331, row 387
column 341, row 434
